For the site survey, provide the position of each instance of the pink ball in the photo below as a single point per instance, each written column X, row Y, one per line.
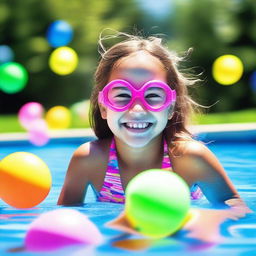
column 30, row 112
column 38, row 132
column 55, row 229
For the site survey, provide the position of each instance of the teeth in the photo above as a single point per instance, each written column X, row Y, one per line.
column 137, row 125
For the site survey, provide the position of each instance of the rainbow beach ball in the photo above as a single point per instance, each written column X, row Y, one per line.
column 25, row 180
column 157, row 203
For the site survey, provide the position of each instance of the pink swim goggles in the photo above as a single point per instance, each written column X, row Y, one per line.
column 119, row 95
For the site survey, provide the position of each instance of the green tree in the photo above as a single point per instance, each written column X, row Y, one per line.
column 23, row 26
column 214, row 28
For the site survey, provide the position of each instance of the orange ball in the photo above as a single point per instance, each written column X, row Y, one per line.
column 25, row 180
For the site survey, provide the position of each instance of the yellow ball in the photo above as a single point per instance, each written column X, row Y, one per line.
column 58, row 117
column 63, row 60
column 25, row 180
column 227, row 69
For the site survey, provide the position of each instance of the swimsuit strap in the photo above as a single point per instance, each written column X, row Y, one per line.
column 166, row 159
column 112, row 189
column 195, row 192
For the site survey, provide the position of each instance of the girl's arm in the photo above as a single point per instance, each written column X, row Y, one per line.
column 197, row 163
column 77, row 178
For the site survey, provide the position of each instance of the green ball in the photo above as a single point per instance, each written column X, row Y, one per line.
column 157, row 202
column 13, row 77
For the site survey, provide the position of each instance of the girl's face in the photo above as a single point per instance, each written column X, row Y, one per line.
column 137, row 126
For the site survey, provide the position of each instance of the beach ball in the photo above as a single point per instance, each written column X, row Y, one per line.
column 6, row 54
column 59, row 33
column 38, row 132
column 58, row 117
column 30, row 112
column 157, row 203
column 227, row 69
column 13, row 77
column 81, row 109
column 63, row 60
column 25, row 180
column 61, row 227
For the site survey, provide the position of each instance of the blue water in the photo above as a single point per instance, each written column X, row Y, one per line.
column 238, row 159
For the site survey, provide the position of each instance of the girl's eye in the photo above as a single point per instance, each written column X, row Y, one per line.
column 154, row 92
column 152, row 95
column 123, row 95
column 155, row 96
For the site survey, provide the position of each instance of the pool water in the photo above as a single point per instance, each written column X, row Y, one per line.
column 238, row 159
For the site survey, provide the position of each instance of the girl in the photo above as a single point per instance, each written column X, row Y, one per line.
column 140, row 110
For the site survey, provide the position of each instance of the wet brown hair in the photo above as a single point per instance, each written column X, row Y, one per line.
column 177, row 125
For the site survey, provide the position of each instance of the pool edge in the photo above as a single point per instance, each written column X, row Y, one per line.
column 223, row 132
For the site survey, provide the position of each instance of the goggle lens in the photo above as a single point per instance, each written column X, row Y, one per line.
column 119, row 96
column 155, row 96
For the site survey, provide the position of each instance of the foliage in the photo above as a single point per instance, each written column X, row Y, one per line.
column 211, row 27
column 240, row 116
column 214, row 28
column 24, row 25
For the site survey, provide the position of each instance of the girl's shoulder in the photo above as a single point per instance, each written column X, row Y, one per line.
column 85, row 167
column 91, row 158
column 193, row 161
column 188, row 147
column 93, row 150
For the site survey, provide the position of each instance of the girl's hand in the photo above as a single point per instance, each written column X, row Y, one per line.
column 238, row 208
column 203, row 224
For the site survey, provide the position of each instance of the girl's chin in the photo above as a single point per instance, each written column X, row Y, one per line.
column 137, row 142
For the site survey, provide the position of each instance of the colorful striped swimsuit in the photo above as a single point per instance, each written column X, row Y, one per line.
column 112, row 189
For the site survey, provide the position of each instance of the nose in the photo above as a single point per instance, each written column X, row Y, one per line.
column 137, row 107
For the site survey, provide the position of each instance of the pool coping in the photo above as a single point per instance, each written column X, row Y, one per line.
column 243, row 131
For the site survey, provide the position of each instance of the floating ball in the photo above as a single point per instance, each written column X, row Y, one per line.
column 38, row 132
column 227, row 69
column 157, row 203
column 253, row 81
column 6, row 54
column 61, row 227
column 58, row 117
column 25, row 180
column 13, row 77
column 81, row 109
column 30, row 112
column 63, row 60
column 59, row 33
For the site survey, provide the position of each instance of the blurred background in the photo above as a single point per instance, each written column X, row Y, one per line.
column 213, row 28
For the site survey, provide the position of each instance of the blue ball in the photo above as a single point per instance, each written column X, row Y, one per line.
column 253, row 81
column 59, row 33
column 6, row 54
